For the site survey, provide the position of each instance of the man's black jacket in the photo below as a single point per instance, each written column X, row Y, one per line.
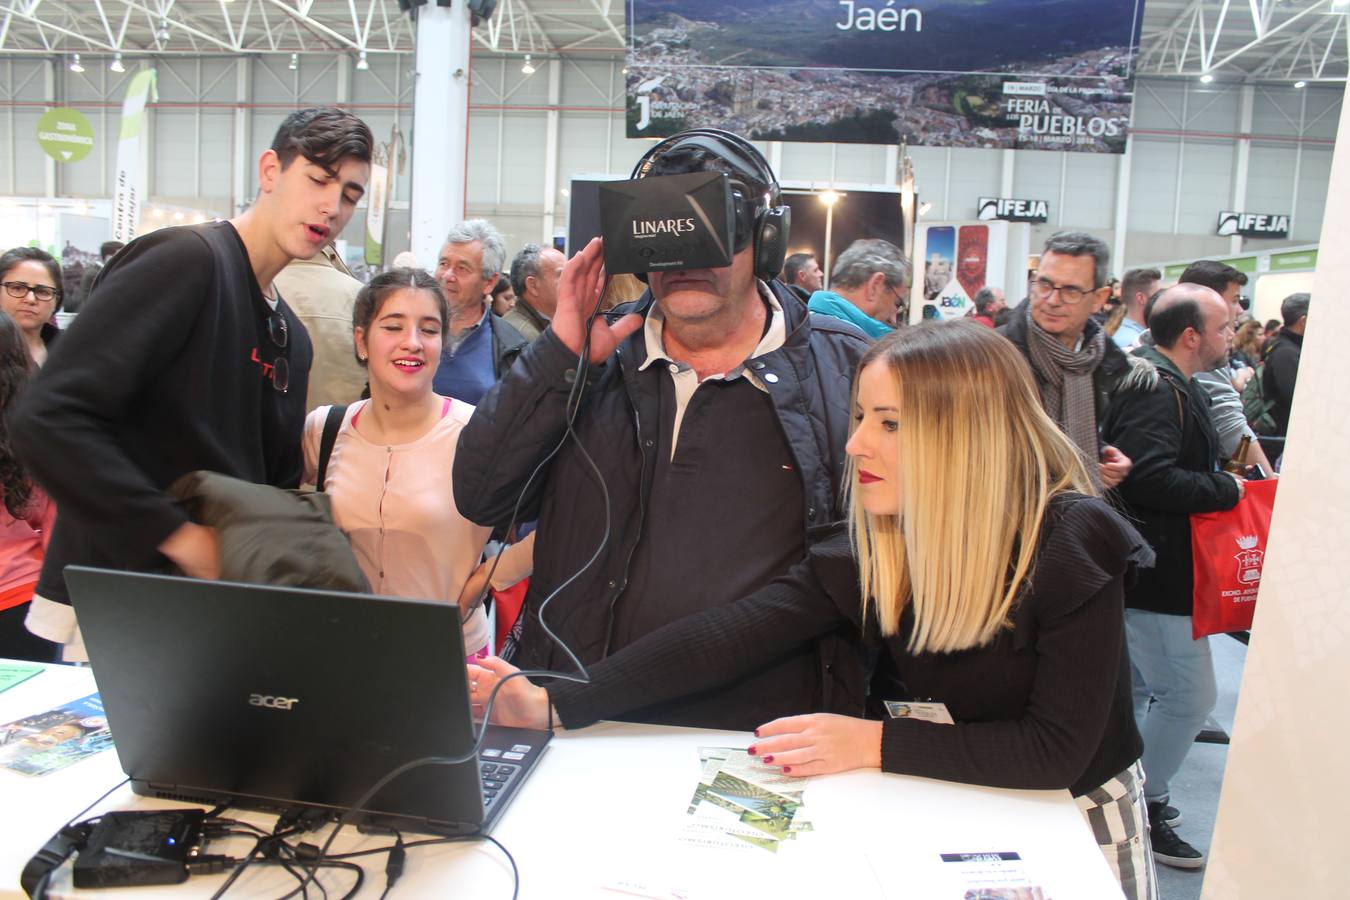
column 507, row 342
column 1160, row 420
column 1280, row 375
column 1113, row 368
column 521, row 420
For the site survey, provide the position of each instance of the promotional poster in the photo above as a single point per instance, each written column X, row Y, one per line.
column 953, row 262
column 1025, row 74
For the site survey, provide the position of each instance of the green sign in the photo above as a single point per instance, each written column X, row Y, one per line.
column 1295, row 261
column 1172, row 273
column 65, row 134
column 1245, row 264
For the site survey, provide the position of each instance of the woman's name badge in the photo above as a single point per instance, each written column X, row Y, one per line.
column 926, row 711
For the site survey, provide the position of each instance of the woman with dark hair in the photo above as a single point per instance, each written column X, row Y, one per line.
column 32, row 295
column 25, row 520
column 388, row 473
column 1247, row 344
column 979, row 567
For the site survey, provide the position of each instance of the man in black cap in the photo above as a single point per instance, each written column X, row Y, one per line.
column 717, row 410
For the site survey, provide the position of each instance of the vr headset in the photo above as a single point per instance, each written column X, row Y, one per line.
column 697, row 220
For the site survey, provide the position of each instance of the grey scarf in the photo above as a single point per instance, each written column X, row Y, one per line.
column 1066, row 387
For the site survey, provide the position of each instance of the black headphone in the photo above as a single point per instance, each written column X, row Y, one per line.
column 760, row 220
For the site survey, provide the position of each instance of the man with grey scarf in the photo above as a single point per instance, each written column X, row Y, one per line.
column 1075, row 365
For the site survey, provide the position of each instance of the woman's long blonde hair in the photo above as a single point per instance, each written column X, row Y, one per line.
column 979, row 462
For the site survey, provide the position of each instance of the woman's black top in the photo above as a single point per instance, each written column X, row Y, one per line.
column 1045, row 705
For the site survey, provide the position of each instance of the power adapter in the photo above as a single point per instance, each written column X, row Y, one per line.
column 135, row 848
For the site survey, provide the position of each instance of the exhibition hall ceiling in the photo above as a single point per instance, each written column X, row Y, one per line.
column 1235, row 40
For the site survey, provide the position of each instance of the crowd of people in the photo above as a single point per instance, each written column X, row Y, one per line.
column 740, row 500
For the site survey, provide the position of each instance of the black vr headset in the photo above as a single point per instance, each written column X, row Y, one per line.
column 724, row 212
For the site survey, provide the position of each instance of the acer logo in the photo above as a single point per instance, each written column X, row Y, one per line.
column 272, row 702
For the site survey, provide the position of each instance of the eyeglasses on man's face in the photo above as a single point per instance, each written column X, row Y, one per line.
column 1068, row 293
column 20, row 289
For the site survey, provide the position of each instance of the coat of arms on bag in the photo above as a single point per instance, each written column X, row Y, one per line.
column 1250, row 559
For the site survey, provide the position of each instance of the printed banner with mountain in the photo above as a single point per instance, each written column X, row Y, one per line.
column 1028, row 74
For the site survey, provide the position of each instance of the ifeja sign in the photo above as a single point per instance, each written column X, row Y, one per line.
column 65, row 134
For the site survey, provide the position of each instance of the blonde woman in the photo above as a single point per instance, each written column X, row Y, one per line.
column 991, row 579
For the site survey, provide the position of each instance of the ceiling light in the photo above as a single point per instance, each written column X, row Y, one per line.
column 163, row 33
column 361, row 64
column 116, row 64
column 829, row 198
column 75, row 64
column 295, row 62
column 1300, row 83
column 528, row 68
column 1206, row 78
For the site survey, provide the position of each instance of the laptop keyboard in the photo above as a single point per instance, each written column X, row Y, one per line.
column 498, row 766
column 495, row 778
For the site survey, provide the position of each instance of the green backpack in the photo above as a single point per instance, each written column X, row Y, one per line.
column 1255, row 406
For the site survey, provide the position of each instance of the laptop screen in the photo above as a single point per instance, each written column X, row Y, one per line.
column 276, row 697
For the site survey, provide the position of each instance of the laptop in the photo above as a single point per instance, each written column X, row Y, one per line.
column 276, row 697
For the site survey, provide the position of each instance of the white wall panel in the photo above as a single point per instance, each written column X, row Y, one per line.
column 1153, row 183
column 522, row 160
column 484, row 158
column 1314, row 175
column 1270, row 178
column 1212, row 108
column 806, row 162
column 174, row 158
column 974, row 174
column 1090, row 191
column 1036, row 177
column 930, row 177
column 1206, row 185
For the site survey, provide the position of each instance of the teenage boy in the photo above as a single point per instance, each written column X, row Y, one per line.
column 187, row 358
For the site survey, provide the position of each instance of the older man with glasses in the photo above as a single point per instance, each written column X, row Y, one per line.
column 1076, row 367
column 867, row 287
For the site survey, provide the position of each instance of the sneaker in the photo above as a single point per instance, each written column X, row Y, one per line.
column 1168, row 847
column 1171, row 815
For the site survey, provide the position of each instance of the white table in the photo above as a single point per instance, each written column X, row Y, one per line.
column 604, row 809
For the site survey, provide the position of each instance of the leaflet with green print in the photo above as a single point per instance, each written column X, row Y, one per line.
column 742, row 803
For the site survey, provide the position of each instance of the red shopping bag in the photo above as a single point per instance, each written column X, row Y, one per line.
column 1228, row 549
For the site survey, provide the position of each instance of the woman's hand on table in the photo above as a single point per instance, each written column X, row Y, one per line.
column 819, row 744
column 519, row 704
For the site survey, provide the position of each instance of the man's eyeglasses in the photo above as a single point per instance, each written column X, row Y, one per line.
column 1068, row 293
column 20, row 289
column 279, row 335
column 901, row 306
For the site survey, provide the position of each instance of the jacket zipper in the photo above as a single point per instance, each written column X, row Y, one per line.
column 642, row 520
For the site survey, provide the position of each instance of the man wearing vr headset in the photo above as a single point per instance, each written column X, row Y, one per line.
column 716, row 409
